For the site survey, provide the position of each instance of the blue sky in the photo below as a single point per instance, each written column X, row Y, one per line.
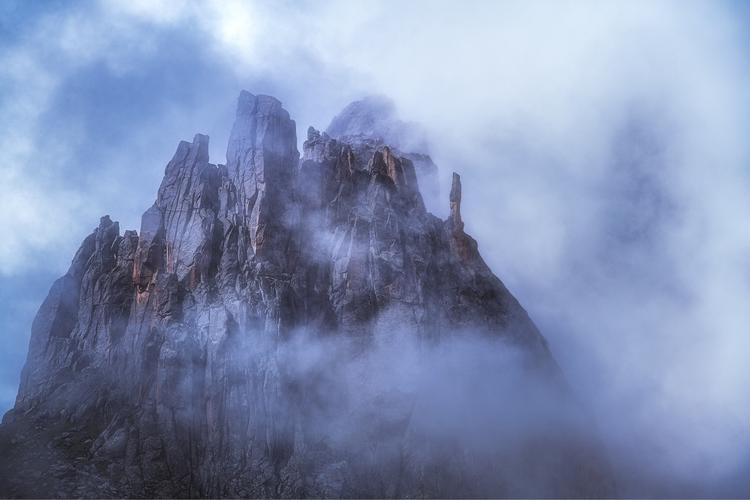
column 602, row 146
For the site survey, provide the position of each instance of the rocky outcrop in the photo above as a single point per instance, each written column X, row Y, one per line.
column 374, row 118
column 234, row 347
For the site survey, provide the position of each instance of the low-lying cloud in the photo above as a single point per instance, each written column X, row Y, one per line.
column 602, row 148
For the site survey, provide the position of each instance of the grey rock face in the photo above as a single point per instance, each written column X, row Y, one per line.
column 227, row 349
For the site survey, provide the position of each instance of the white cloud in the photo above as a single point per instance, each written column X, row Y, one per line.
column 530, row 101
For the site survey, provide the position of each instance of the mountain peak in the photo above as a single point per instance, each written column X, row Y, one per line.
column 250, row 104
column 254, row 340
column 374, row 118
column 371, row 116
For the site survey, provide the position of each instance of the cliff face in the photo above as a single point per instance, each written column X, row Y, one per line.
column 227, row 348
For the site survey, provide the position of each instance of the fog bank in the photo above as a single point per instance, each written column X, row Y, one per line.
column 602, row 148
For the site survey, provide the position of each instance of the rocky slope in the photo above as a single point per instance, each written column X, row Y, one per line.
column 241, row 343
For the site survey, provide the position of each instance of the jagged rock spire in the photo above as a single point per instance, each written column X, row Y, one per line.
column 263, row 143
column 455, row 202
column 181, row 219
column 262, row 159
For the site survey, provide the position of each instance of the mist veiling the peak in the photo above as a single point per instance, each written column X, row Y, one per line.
column 292, row 327
column 603, row 151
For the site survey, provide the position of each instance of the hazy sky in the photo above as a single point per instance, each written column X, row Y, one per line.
column 603, row 148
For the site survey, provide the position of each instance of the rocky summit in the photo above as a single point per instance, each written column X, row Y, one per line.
column 292, row 327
